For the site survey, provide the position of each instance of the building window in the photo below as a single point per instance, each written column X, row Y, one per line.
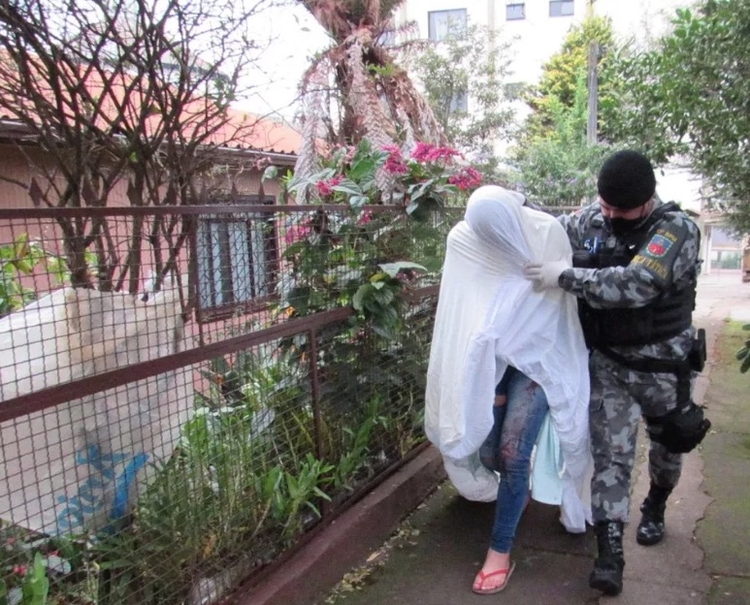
column 560, row 8
column 459, row 102
column 515, row 12
column 443, row 24
column 236, row 257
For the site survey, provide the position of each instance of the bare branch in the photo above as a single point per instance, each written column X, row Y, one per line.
column 115, row 92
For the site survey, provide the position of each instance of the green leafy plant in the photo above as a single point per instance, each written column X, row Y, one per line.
column 21, row 258
column 17, row 259
column 379, row 300
column 32, row 563
column 354, row 454
column 302, row 488
column 35, row 587
column 686, row 97
column 743, row 354
column 336, row 257
column 560, row 168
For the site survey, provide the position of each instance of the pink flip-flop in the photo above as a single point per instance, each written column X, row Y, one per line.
column 483, row 577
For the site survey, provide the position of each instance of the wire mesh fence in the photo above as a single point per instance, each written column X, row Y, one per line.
column 186, row 392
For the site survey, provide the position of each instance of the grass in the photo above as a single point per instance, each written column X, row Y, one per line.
column 723, row 531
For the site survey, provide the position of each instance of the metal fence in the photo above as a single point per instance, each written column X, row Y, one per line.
column 220, row 382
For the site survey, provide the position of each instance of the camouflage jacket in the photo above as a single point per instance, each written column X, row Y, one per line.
column 648, row 276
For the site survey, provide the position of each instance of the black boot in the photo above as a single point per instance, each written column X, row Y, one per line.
column 608, row 566
column 651, row 528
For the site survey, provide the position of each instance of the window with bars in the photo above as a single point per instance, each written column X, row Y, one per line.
column 561, row 8
column 515, row 12
column 237, row 258
column 442, row 24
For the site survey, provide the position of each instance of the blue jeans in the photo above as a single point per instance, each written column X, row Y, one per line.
column 507, row 450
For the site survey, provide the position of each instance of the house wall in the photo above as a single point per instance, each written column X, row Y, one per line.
column 18, row 166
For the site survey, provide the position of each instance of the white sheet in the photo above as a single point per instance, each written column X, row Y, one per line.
column 489, row 316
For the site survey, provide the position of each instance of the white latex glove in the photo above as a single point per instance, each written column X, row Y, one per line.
column 545, row 275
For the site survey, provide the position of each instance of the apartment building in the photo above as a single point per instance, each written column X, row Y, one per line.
column 537, row 28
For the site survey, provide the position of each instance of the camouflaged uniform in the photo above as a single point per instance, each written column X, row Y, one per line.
column 619, row 395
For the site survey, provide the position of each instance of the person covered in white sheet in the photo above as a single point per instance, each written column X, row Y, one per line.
column 499, row 341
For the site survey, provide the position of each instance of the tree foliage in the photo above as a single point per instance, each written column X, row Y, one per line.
column 560, row 169
column 473, row 63
column 691, row 95
column 556, row 164
column 561, row 74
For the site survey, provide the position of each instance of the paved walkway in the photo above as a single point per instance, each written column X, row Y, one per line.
column 438, row 556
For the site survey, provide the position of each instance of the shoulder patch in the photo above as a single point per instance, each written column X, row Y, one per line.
column 659, row 253
column 659, row 245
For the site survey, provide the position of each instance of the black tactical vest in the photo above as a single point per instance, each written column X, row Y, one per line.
column 667, row 316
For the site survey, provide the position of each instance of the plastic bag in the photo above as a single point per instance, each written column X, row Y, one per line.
column 80, row 464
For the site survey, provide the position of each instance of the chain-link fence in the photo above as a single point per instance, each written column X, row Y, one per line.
column 220, row 381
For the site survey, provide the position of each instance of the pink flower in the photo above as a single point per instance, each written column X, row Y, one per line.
column 424, row 152
column 20, row 570
column 296, row 233
column 467, row 178
column 421, row 151
column 364, row 218
column 323, row 188
column 395, row 163
column 326, row 187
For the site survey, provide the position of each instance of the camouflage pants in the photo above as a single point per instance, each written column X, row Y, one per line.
column 619, row 396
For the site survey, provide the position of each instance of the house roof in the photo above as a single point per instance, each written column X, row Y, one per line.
column 120, row 109
column 267, row 134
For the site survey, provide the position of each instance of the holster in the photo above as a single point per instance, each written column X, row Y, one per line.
column 681, row 430
column 698, row 353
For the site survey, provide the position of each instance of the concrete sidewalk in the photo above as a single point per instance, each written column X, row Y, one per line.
column 442, row 545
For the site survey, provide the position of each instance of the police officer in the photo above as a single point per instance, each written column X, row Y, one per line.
column 635, row 268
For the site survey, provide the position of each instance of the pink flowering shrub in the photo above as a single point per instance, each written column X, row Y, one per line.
column 369, row 257
column 430, row 176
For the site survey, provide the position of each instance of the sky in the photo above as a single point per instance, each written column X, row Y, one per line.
column 293, row 37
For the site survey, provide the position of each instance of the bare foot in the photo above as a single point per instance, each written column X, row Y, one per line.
column 491, row 577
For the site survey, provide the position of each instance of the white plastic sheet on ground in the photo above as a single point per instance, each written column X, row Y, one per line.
column 489, row 316
column 81, row 464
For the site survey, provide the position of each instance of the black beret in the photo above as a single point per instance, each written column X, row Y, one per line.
column 626, row 180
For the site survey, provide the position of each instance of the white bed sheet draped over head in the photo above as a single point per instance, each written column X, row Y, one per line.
column 489, row 316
